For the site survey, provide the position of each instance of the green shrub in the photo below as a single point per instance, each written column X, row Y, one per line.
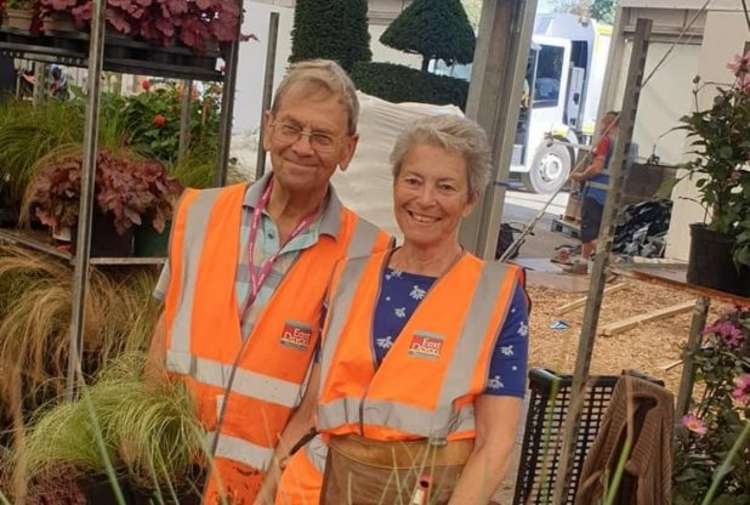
column 331, row 29
column 435, row 29
column 397, row 83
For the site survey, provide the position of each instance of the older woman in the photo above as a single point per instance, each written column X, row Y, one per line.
column 420, row 379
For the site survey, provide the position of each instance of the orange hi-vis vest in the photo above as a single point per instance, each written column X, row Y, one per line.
column 204, row 336
column 426, row 385
column 302, row 480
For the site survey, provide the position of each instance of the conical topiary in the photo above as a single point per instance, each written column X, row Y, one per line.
column 332, row 29
column 434, row 29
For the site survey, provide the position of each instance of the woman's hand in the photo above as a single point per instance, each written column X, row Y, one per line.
column 267, row 493
column 301, row 424
column 496, row 421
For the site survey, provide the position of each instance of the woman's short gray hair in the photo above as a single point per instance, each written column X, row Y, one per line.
column 324, row 74
column 455, row 134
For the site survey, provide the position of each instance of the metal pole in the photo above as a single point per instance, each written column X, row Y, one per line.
column 187, row 91
column 273, row 36
column 227, row 106
column 88, row 173
column 494, row 100
column 603, row 249
column 700, row 312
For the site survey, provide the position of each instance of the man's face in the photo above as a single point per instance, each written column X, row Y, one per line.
column 308, row 138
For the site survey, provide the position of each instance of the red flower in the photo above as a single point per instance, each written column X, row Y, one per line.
column 159, row 121
column 146, row 85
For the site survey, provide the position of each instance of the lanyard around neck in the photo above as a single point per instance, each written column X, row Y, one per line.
column 259, row 275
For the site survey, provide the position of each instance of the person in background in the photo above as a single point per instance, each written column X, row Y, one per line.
column 58, row 87
column 247, row 273
column 424, row 354
column 595, row 177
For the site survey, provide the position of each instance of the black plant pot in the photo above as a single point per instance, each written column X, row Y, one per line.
column 711, row 264
column 149, row 242
column 105, row 241
column 99, row 491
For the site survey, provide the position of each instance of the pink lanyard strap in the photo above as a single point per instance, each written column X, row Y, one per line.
column 259, row 276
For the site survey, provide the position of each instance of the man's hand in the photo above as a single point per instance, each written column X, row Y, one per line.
column 577, row 176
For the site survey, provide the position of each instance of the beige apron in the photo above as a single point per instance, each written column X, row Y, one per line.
column 360, row 471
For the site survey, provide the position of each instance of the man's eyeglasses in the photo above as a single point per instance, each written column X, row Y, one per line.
column 289, row 133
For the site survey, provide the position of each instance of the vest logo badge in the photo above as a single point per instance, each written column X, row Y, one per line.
column 296, row 335
column 426, row 345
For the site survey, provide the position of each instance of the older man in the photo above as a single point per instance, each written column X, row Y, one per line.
column 248, row 269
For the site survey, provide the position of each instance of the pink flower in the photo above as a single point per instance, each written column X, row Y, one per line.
column 727, row 330
column 740, row 64
column 741, row 391
column 146, row 85
column 694, row 424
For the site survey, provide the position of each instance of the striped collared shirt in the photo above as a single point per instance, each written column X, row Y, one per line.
column 266, row 244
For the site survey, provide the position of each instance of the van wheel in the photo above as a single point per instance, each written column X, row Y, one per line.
column 550, row 169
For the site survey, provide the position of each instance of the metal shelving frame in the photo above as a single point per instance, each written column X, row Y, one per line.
column 62, row 49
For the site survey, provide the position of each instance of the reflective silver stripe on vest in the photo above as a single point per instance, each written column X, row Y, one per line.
column 242, row 451
column 598, row 185
column 195, row 233
column 428, row 423
column 406, row 418
column 363, row 239
column 316, row 452
column 460, row 372
column 247, row 383
column 339, row 311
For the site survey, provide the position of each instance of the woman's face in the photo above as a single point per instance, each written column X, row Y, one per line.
column 431, row 195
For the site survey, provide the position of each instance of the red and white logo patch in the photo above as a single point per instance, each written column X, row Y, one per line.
column 426, row 345
column 296, row 335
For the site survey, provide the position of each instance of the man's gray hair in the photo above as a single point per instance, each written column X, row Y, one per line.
column 322, row 74
column 455, row 134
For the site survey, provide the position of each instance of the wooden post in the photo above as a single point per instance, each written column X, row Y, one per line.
column 685, row 393
column 603, row 249
column 494, row 101
column 40, row 82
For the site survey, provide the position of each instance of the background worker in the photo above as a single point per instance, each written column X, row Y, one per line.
column 595, row 178
column 248, row 269
column 425, row 352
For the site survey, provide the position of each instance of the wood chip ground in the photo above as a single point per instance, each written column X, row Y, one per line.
column 648, row 347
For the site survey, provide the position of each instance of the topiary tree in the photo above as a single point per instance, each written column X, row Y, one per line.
column 434, row 29
column 603, row 10
column 332, row 29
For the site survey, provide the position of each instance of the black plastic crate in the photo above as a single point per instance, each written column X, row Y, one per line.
column 530, row 489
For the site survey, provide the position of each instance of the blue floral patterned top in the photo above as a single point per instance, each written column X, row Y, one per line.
column 400, row 294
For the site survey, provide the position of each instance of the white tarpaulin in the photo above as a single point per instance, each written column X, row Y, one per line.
column 367, row 185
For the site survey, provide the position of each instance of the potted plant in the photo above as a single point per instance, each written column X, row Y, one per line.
column 720, row 135
column 17, row 14
column 198, row 25
column 719, row 420
column 128, row 192
column 144, row 431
